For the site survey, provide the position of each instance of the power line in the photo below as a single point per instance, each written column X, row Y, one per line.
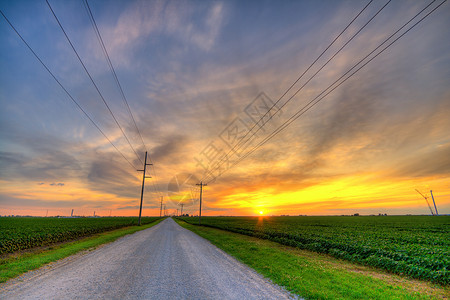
column 156, row 178
column 116, row 79
column 105, row 52
column 322, row 95
column 318, row 98
column 239, row 144
column 299, row 78
column 92, row 80
column 64, row 89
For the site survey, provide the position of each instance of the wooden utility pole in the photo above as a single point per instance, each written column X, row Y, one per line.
column 143, row 183
column 201, row 184
column 160, row 209
column 181, row 204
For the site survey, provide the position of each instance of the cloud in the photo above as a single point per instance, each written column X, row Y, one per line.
column 107, row 175
column 41, row 165
column 435, row 162
column 205, row 40
column 10, row 160
column 13, row 201
column 135, row 207
column 350, row 117
column 171, row 150
column 50, row 158
column 184, row 21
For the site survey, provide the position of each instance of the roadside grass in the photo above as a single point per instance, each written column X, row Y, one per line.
column 317, row 276
column 20, row 263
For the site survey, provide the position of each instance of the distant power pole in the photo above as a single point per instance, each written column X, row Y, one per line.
column 160, row 209
column 435, row 208
column 143, row 183
column 71, row 214
column 201, row 184
column 46, row 215
column 164, row 210
column 181, row 204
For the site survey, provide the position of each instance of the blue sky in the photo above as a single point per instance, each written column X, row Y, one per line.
column 188, row 70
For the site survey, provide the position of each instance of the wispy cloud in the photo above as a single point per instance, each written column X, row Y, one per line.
column 143, row 21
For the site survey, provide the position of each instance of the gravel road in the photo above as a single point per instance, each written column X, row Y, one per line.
column 165, row 261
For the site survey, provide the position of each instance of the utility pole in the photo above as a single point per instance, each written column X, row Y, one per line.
column 181, row 204
column 164, row 210
column 201, row 184
column 177, row 212
column 160, row 209
column 143, row 183
column 435, row 208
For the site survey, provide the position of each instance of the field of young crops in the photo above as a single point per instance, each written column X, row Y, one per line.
column 417, row 246
column 25, row 233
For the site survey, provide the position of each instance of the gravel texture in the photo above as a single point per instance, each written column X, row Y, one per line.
column 165, row 261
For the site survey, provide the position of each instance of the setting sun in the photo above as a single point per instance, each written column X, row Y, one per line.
column 261, row 212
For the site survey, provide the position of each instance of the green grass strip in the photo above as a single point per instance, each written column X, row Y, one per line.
column 316, row 276
column 17, row 265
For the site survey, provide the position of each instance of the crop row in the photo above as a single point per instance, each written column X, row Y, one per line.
column 25, row 233
column 418, row 247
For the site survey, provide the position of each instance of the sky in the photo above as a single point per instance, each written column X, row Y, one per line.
column 207, row 84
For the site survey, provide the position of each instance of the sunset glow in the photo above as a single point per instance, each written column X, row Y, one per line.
column 198, row 76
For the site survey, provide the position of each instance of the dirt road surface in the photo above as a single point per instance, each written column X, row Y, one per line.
column 165, row 261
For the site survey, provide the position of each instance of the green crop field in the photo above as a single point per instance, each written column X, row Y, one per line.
column 18, row 233
column 416, row 246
